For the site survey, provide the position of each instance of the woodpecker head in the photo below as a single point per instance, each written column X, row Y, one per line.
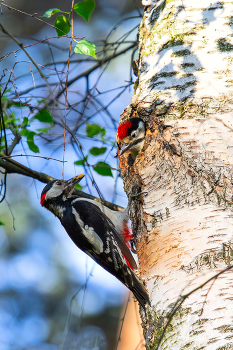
column 131, row 136
column 58, row 189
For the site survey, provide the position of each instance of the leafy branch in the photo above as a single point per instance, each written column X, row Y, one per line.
column 52, row 111
column 63, row 25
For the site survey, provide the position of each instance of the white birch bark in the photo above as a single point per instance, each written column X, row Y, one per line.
column 183, row 219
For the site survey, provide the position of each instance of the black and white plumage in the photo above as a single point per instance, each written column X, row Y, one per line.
column 131, row 136
column 96, row 230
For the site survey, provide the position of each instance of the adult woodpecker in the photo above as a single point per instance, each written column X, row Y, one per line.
column 131, row 136
column 96, row 230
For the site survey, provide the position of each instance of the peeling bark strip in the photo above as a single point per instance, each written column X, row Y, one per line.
column 180, row 187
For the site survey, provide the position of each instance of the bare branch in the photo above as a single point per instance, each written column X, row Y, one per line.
column 31, row 155
column 11, row 166
column 86, row 73
column 67, row 75
column 25, row 51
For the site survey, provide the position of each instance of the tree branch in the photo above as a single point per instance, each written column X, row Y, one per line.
column 84, row 74
column 12, row 167
column 30, row 58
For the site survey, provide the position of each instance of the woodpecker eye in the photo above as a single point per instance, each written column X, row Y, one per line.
column 133, row 134
column 58, row 183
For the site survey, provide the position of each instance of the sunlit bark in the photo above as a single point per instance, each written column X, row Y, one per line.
column 180, row 187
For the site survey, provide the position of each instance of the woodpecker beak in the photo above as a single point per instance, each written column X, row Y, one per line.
column 124, row 148
column 70, row 184
column 128, row 146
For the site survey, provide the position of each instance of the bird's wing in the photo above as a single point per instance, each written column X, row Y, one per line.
column 92, row 216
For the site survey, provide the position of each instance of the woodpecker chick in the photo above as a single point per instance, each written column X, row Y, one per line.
column 131, row 136
column 96, row 230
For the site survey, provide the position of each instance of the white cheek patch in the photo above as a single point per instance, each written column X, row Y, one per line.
column 90, row 234
column 138, row 146
column 136, row 149
column 55, row 191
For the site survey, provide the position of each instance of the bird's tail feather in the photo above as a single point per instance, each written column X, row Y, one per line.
column 139, row 291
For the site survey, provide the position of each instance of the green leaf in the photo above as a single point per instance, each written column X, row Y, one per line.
column 63, row 25
column 30, row 142
column 42, row 101
column 1, row 223
column 51, row 12
column 26, row 121
column 30, row 135
column 7, row 102
column 78, row 187
column 19, row 105
column 12, row 121
column 82, row 161
column 7, row 90
column 44, row 116
column 85, row 47
column 24, row 132
column 43, row 130
column 2, row 140
column 95, row 151
column 85, row 8
column 94, row 129
column 103, row 168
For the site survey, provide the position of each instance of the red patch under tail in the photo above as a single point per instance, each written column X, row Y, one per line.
column 127, row 236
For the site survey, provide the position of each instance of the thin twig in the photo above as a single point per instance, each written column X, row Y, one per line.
column 13, row 218
column 204, row 302
column 86, row 73
column 26, row 46
column 30, row 58
column 3, row 125
column 61, row 346
column 67, row 75
column 31, row 155
column 28, row 14
column 11, row 166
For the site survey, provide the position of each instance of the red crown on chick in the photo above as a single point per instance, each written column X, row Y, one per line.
column 123, row 129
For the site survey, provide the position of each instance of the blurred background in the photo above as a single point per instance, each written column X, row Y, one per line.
column 51, row 294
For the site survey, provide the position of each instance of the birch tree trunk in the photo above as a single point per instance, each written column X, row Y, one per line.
column 180, row 186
